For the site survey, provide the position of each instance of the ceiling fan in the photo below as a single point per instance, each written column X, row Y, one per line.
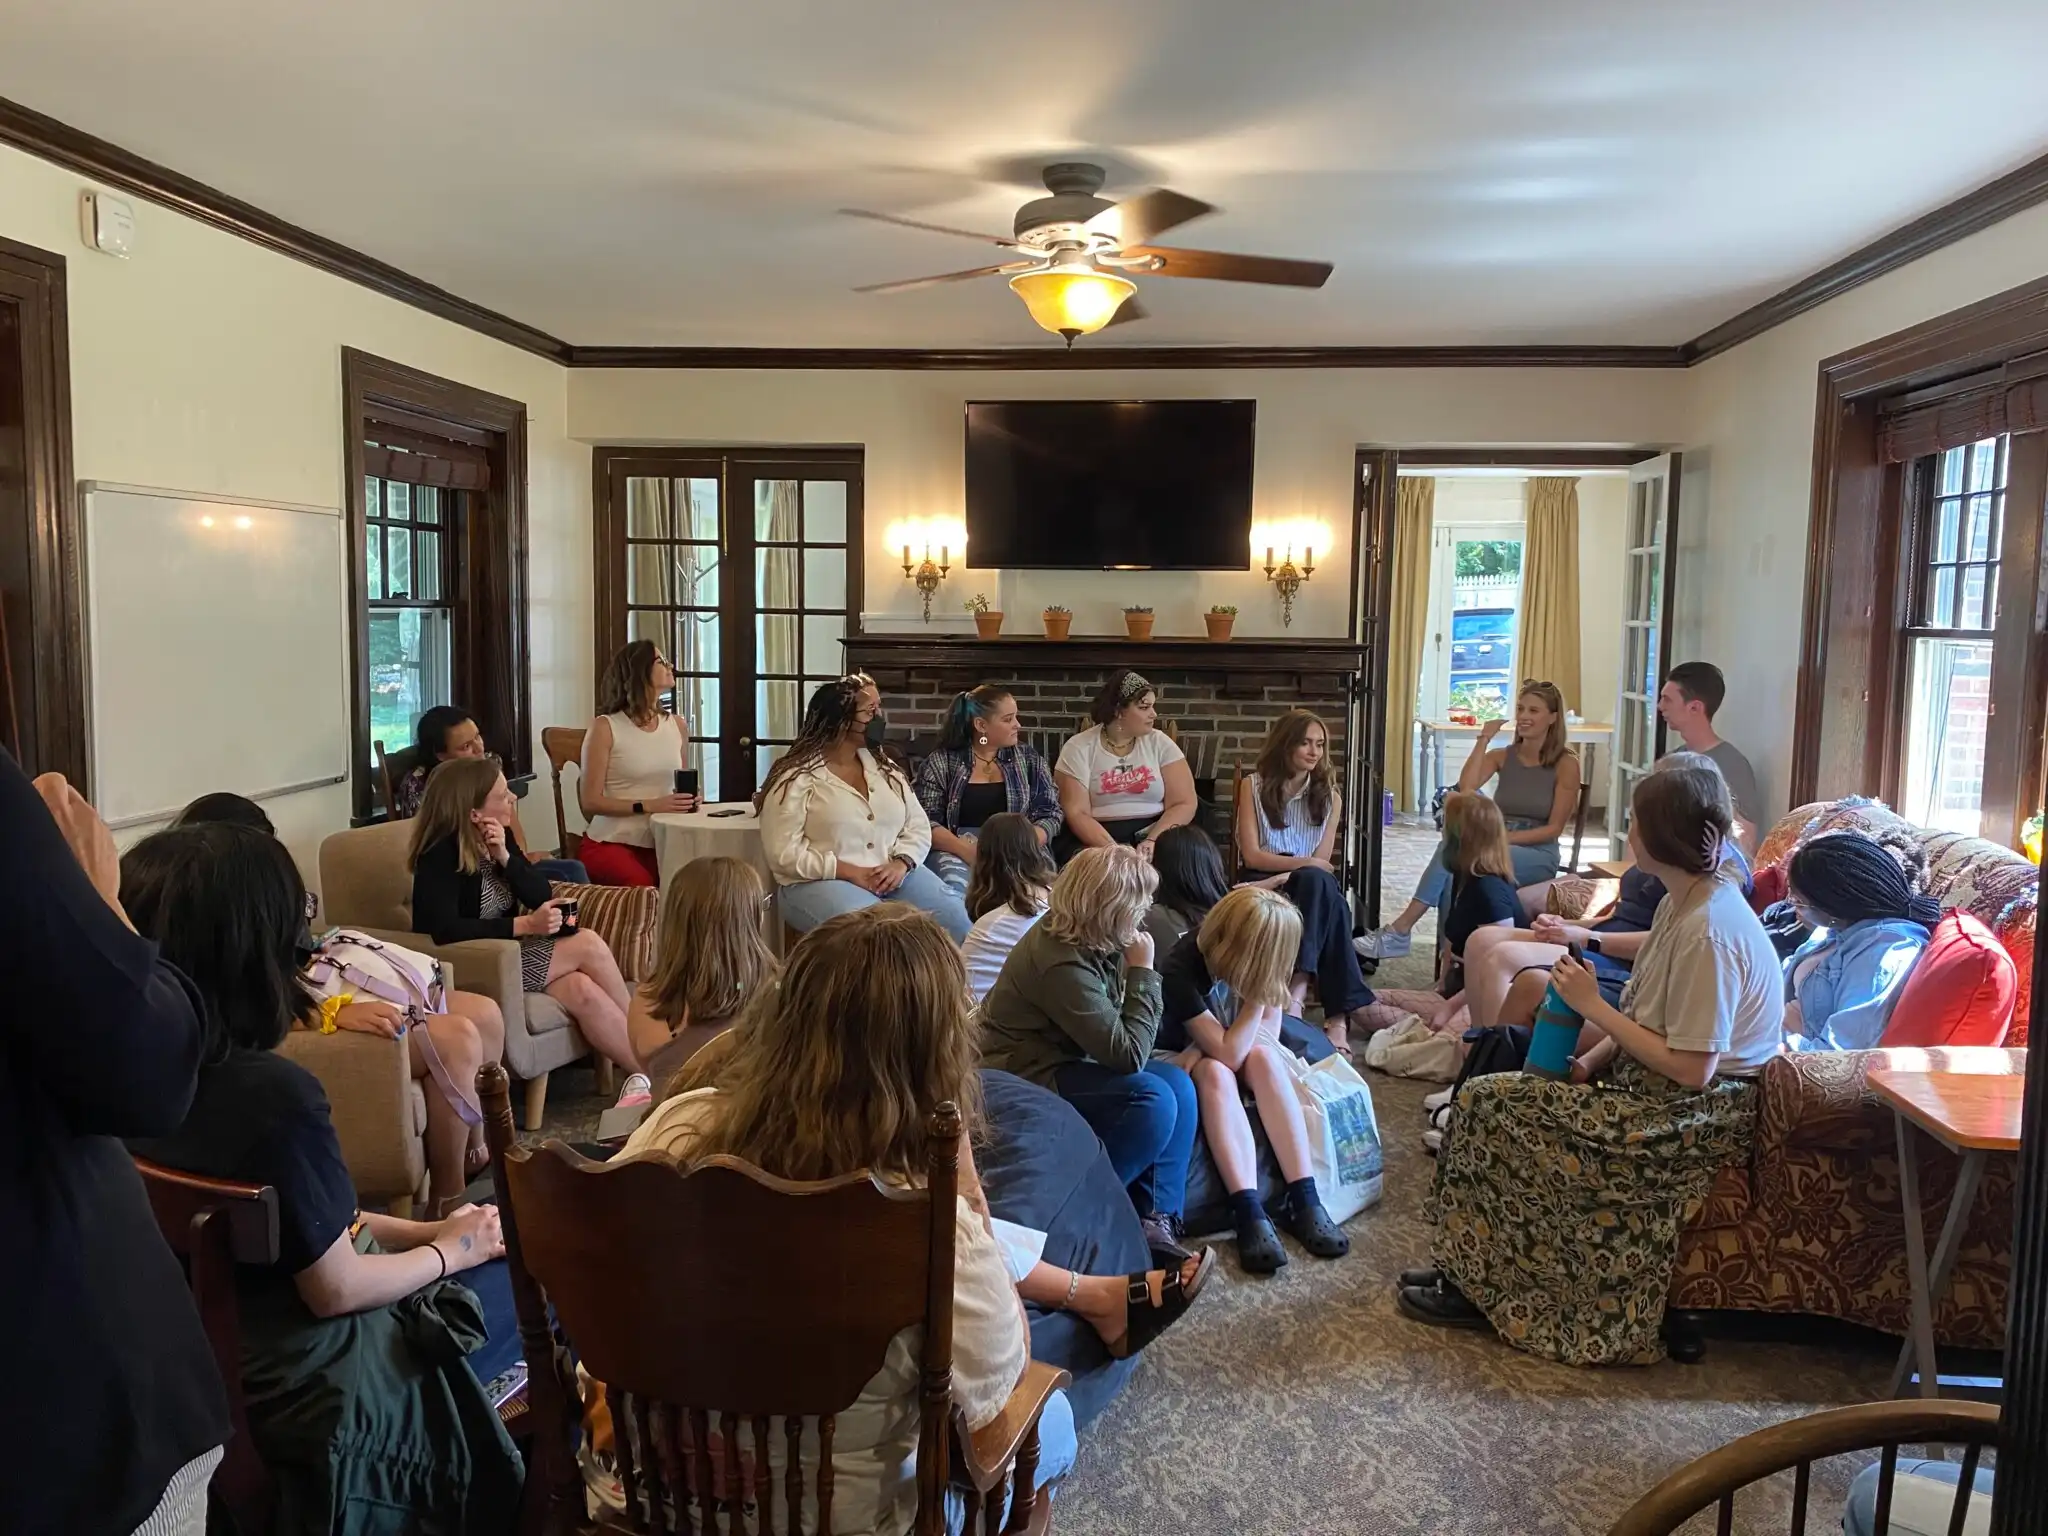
column 1074, row 248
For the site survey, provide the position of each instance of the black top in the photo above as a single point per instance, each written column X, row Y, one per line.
column 446, row 902
column 115, row 1388
column 1479, row 900
column 1186, row 989
column 261, row 1119
column 978, row 802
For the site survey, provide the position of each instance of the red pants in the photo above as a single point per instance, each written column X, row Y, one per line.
column 618, row 863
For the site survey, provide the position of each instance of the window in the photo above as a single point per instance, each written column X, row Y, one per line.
column 1469, row 672
column 742, row 566
column 437, row 531
column 1954, row 561
column 406, row 551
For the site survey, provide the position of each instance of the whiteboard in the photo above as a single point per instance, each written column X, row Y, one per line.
column 217, row 637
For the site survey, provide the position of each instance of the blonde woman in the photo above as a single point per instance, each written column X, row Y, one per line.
column 1478, row 856
column 1226, row 989
column 470, row 880
column 711, row 959
column 1538, row 790
column 1076, row 1010
column 838, row 1069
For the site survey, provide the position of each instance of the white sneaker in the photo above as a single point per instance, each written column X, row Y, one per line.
column 1439, row 1099
column 1432, row 1141
column 638, row 1089
column 1384, row 944
column 1439, row 1126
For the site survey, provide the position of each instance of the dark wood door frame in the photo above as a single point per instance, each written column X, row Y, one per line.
column 1375, row 486
column 42, row 687
column 492, row 678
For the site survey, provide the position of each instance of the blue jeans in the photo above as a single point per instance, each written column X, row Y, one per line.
column 568, row 871
column 952, row 869
column 1859, row 1518
column 1147, row 1121
column 1534, row 864
column 812, row 902
column 1057, row 1447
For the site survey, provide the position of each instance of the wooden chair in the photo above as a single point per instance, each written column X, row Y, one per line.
column 1714, row 1479
column 1579, row 824
column 563, row 745
column 392, row 768
column 722, row 1290
column 213, row 1225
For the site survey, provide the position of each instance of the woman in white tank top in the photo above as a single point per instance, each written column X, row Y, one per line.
column 630, row 756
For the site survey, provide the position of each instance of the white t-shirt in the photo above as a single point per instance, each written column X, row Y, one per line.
column 1707, row 979
column 1128, row 788
column 874, row 1445
column 988, row 944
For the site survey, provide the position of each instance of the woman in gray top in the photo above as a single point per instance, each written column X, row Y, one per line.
column 1539, row 786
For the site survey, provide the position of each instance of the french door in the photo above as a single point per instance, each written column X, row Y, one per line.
column 744, row 566
column 1648, row 569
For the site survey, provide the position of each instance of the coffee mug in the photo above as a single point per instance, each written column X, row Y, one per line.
column 568, row 911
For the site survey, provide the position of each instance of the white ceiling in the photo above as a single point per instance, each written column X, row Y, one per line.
column 665, row 171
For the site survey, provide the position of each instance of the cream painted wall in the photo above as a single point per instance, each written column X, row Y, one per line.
column 1310, row 424
column 206, row 364
column 1747, row 489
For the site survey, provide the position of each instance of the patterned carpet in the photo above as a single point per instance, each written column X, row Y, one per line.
column 1306, row 1404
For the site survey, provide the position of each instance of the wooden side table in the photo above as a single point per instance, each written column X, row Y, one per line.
column 1973, row 1109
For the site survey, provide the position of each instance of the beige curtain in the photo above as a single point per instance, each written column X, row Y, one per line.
column 1548, row 647
column 1408, row 628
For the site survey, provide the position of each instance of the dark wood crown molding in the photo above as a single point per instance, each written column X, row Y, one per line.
column 1525, row 458
column 61, row 144
column 2012, row 193
column 1053, row 357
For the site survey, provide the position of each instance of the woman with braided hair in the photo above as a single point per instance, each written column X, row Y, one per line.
column 1558, row 1205
column 1870, row 925
column 840, row 824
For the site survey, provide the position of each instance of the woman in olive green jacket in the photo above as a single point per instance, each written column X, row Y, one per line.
column 1076, row 1010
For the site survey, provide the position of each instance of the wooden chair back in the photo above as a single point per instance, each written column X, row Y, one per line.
column 563, row 745
column 1714, row 1479
column 392, row 768
column 213, row 1225
column 712, row 1300
column 1579, row 824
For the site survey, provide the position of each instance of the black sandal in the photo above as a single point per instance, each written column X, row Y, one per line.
column 1145, row 1319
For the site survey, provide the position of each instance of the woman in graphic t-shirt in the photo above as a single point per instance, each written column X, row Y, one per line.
column 1121, row 780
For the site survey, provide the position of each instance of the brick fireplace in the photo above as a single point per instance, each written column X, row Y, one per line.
column 1220, row 696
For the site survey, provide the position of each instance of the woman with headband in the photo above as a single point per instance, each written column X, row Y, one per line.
column 981, row 768
column 1122, row 780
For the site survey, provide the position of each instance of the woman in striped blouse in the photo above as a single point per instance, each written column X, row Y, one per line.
column 1286, row 829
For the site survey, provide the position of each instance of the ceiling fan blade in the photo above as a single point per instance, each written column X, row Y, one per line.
column 937, row 229
column 944, row 277
column 1130, row 309
column 1229, row 267
column 1137, row 219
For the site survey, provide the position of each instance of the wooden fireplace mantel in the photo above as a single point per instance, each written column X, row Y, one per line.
column 1009, row 655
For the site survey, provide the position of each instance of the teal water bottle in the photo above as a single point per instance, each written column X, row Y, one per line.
column 1555, row 1035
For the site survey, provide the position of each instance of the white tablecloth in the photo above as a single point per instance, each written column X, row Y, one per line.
column 683, row 836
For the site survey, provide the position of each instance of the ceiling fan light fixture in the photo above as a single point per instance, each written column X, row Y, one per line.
column 1072, row 301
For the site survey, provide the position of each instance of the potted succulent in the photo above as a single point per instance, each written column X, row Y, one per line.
column 988, row 622
column 1138, row 621
column 1219, row 619
column 1058, row 618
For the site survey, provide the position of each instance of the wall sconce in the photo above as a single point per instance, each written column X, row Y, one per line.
column 927, row 575
column 1287, row 578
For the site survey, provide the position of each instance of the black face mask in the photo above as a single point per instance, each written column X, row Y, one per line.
column 877, row 729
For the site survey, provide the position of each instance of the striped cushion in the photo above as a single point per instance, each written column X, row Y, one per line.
column 624, row 916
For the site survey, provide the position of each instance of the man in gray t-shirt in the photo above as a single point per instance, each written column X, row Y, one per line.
column 1688, row 702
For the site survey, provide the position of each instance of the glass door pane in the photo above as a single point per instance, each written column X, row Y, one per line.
column 673, row 569
column 1646, row 571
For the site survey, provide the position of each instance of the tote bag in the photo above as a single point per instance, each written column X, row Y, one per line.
column 1343, row 1135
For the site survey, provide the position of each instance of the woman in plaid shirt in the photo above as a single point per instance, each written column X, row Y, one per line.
column 982, row 767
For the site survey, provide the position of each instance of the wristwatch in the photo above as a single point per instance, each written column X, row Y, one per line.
column 1592, row 943
column 909, row 864
column 639, row 807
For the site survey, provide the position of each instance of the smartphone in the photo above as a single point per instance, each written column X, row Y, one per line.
column 737, row 810
column 1577, row 952
column 686, row 781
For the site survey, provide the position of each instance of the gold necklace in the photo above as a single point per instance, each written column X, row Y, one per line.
column 1116, row 751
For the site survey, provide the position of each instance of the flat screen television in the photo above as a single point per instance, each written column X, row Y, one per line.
column 1162, row 485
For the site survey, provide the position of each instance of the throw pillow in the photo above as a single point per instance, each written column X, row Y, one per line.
column 1961, row 992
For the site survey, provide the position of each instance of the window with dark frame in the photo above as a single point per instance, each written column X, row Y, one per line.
column 408, row 577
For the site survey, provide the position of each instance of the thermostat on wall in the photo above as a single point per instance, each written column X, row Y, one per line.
column 109, row 224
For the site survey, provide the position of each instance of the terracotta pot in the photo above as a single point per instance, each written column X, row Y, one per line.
column 1219, row 624
column 989, row 625
column 1139, row 625
column 1057, row 625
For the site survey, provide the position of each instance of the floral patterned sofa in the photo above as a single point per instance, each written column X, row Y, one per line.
column 1812, row 1224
